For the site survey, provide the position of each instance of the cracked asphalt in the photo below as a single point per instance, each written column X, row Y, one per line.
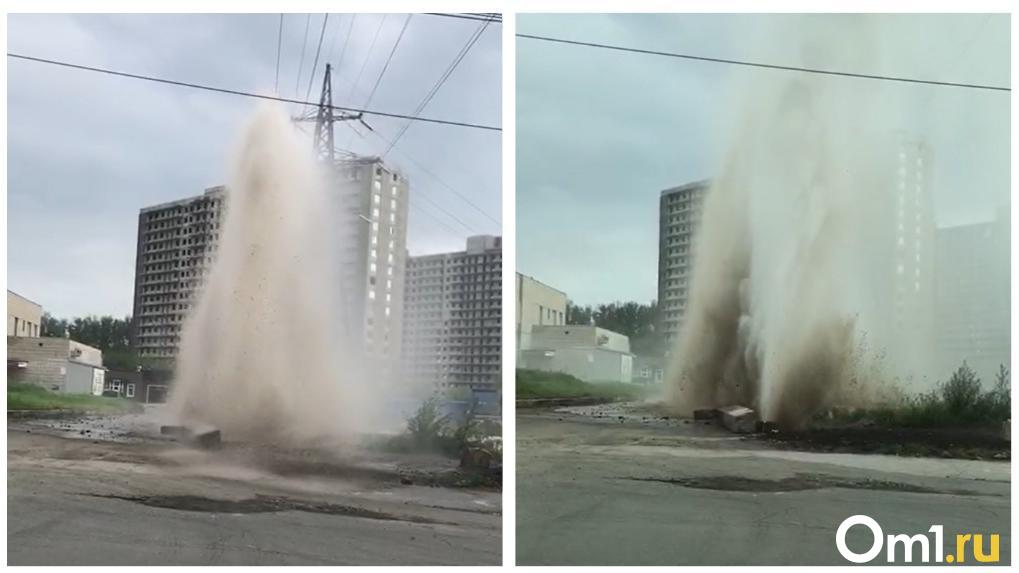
column 80, row 501
column 622, row 489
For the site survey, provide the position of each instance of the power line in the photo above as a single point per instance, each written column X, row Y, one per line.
column 453, row 231
column 367, row 57
column 304, row 46
column 438, row 84
column 763, row 65
column 252, row 95
column 318, row 50
column 493, row 17
column 396, row 44
column 442, row 182
column 427, row 171
column 343, row 50
column 279, row 45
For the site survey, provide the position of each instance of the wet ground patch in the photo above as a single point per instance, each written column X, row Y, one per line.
column 262, row 504
column 961, row 443
column 802, row 483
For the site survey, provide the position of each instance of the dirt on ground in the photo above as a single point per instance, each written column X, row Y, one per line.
column 961, row 443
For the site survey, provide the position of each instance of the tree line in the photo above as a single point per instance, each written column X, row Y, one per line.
column 107, row 333
column 636, row 320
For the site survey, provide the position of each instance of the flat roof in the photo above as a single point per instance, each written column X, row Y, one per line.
column 687, row 186
column 544, row 284
column 9, row 291
column 208, row 191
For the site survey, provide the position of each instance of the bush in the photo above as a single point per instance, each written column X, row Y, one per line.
column 960, row 402
column 427, row 426
column 961, row 393
column 430, row 431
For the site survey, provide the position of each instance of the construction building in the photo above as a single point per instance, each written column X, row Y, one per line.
column 537, row 304
column 679, row 215
column 177, row 244
column 24, row 317
column 374, row 199
column 176, row 248
column 452, row 325
column 973, row 294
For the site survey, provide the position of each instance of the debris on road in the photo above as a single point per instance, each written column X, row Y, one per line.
column 705, row 414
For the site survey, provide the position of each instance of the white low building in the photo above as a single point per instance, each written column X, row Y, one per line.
column 589, row 353
column 56, row 364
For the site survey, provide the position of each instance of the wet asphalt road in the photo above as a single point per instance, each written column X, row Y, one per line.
column 628, row 492
column 60, row 511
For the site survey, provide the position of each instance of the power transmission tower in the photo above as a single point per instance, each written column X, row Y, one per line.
column 325, row 117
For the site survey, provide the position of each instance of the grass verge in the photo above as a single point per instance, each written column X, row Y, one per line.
column 534, row 384
column 32, row 397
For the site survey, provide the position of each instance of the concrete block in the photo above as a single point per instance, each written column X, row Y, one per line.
column 205, row 437
column 175, row 431
column 705, row 414
column 738, row 419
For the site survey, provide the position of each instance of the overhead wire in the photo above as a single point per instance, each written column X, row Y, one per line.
column 440, row 82
column 251, row 94
column 763, row 65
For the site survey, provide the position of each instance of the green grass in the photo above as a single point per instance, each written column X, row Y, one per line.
column 538, row 384
column 32, row 397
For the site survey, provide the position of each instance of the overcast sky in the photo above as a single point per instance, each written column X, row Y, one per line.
column 86, row 151
column 601, row 133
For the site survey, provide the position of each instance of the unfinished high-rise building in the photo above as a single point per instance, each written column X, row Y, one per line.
column 453, row 317
column 679, row 215
column 177, row 244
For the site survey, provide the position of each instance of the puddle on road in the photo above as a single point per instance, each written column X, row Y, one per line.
column 263, row 504
column 803, row 483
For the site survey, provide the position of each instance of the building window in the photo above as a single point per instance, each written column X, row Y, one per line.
column 130, row 391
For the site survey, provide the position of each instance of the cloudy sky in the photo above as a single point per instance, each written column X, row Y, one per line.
column 86, row 151
column 601, row 133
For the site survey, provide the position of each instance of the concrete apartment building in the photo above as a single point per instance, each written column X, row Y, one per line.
column 177, row 244
column 55, row 363
column 913, row 251
column 453, row 317
column 973, row 297
column 24, row 317
column 176, row 248
column 374, row 200
column 590, row 353
column 679, row 215
column 537, row 304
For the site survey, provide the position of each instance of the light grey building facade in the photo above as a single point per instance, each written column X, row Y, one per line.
column 374, row 200
column 537, row 304
column 452, row 321
column 56, row 364
column 24, row 317
column 589, row 353
column 679, row 215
